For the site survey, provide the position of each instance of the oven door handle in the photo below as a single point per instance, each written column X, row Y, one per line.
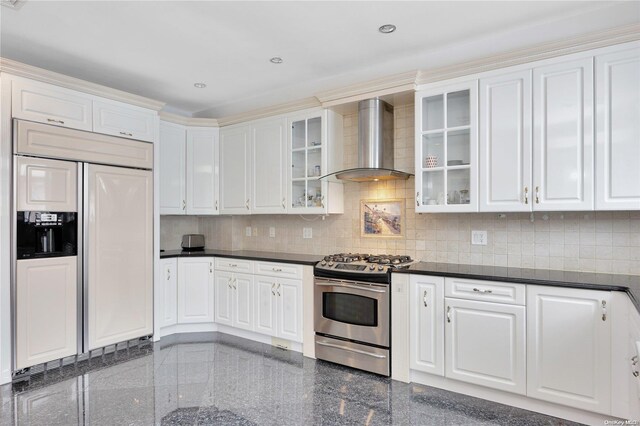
column 358, row 351
column 357, row 287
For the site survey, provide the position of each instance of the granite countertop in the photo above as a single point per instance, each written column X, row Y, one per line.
column 297, row 258
column 593, row 281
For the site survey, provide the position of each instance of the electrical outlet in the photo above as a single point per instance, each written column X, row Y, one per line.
column 479, row 238
column 272, row 231
column 247, row 231
column 307, row 233
column 255, row 231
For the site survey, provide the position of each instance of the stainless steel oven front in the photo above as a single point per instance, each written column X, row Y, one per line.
column 351, row 320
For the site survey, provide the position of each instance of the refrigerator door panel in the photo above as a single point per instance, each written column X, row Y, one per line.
column 119, row 254
column 46, row 310
column 45, row 185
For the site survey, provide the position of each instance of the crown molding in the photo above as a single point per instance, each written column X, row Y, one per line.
column 269, row 111
column 28, row 71
column 538, row 52
column 372, row 88
column 187, row 121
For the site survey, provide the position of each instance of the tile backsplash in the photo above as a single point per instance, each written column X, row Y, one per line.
column 576, row 241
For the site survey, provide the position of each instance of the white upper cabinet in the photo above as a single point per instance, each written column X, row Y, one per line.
column 45, row 103
column 269, row 155
column 189, row 170
column 315, row 149
column 569, row 347
column 202, row 171
column 618, row 130
column 447, row 148
column 563, row 177
column 235, row 170
column 127, row 121
column 172, row 154
column 505, row 142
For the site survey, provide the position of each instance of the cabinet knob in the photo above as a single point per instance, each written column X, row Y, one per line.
column 51, row 120
column 526, row 195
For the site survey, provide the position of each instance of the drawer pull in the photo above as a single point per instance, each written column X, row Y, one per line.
column 277, row 269
column 357, row 351
column 126, row 134
column 477, row 290
column 448, row 313
column 424, row 298
column 51, row 120
column 604, row 310
column 233, row 265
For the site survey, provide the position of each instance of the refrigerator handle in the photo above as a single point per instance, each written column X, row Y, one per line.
column 85, row 256
column 79, row 259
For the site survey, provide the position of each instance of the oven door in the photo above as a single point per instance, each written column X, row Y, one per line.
column 352, row 310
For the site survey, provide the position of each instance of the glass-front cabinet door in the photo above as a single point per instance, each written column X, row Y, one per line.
column 446, row 148
column 307, row 164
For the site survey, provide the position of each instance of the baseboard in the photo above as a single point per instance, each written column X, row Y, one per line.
column 519, row 401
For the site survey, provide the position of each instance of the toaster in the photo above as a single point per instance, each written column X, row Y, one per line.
column 193, row 242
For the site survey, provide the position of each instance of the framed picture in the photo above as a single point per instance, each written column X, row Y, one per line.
column 382, row 218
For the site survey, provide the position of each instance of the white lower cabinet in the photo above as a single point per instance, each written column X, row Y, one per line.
column 485, row 344
column 568, row 347
column 427, row 324
column 169, row 292
column 278, row 307
column 195, row 290
column 234, row 300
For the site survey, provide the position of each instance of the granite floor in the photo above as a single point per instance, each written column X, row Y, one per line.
column 218, row 379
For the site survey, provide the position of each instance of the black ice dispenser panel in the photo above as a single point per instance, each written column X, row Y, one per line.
column 46, row 234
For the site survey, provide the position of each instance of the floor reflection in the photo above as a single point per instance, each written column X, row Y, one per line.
column 226, row 380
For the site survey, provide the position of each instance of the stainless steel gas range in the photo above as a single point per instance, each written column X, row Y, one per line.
column 352, row 309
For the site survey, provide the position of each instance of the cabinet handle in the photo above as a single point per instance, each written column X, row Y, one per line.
column 216, row 205
column 448, row 313
column 247, row 204
column 477, row 290
column 322, row 201
column 526, row 195
column 126, row 134
column 276, row 269
column 537, row 197
column 234, row 283
column 283, row 204
column 51, row 120
column 229, row 282
column 184, row 205
column 424, row 298
column 418, row 199
column 273, row 291
column 278, row 289
column 634, row 360
column 604, row 310
column 211, row 267
column 233, row 265
column 168, row 274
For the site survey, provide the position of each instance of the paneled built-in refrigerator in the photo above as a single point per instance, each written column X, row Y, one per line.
column 83, row 242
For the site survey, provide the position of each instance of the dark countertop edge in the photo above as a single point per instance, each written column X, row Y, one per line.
column 532, row 281
column 307, row 260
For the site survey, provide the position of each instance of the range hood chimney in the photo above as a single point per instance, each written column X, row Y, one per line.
column 375, row 144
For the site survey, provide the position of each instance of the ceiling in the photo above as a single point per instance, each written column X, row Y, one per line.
column 160, row 49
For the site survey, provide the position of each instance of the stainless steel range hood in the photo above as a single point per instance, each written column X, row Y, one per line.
column 375, row 145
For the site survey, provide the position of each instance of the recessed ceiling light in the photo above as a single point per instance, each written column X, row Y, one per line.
column 199, row 85
column 276, row 60
column 387, row 28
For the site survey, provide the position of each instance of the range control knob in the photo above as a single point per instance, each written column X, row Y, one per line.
column 324, row 262
column 330, row 263
column 372, row 267
column 380, row 267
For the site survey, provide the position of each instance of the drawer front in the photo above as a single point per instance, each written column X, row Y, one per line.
column 125, row 121
column 489, row 291
column 273, row 269
column 234, row 265
column 50, row 104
